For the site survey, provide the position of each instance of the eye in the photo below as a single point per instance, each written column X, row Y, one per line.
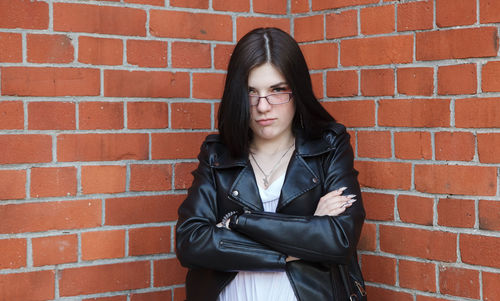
column 252, row 92
column 280, row 89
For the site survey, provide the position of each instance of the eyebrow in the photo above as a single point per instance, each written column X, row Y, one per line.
column 273, row 86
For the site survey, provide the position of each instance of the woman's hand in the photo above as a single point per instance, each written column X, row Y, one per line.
column 334, row 203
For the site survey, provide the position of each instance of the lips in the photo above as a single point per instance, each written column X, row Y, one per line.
column 265, row 122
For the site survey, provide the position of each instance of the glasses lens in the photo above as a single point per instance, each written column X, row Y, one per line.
column 278, row 98
column 253, row 99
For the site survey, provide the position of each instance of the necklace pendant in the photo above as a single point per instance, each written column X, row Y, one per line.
column 266, row 182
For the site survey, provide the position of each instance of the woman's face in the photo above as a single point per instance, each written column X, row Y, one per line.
column 269, row 122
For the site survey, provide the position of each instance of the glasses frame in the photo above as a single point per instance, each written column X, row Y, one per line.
column 290, row 96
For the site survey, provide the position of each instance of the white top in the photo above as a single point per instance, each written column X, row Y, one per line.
column 262, row 286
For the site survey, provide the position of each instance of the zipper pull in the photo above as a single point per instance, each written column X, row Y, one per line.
column 360, row 288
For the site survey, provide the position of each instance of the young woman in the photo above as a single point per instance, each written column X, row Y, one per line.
column 275, row 207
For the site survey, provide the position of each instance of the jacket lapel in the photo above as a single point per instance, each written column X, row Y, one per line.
column 245, row 190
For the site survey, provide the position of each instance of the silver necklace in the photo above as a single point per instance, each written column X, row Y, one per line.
column 266, row 176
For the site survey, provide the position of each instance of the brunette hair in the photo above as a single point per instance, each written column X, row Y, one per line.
column 260, row 46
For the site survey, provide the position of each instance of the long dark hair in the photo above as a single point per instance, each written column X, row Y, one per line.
column 260, row 46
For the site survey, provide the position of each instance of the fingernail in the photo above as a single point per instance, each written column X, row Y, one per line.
column 352, row 201
column 351, row 196
column 342, row 189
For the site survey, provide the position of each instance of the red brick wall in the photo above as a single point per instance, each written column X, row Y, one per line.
column 103, row 105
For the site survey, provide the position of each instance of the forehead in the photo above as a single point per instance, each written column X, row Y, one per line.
column 265, row 76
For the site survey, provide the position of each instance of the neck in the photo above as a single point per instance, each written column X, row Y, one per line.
column 272, row 146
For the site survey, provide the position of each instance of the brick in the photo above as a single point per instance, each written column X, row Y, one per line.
column 100, row 51
column 147, row 241
column 299, row 6
column 183, row 177
column 12, row 184
column 176, row 145
column 459, row 282
column 455, row 146
column 458, row 12
column 39, row 217
column 100, row 115
column 414, row 112
column 480, row 250
column 189, row 3
column 150, row 177
column 124, row 83
column 12, row 253
column 455, row 179
column 341, row 24
column 246, row 24
column 104, row 179
column 147, row 2
column 328, row 4
column 191, row 115
column 20, row 286
column 427, row 298
column 102, row 147
column 147, row 115
column 222, row 54
column 374, row 144
column 51, row 115
column 115, row 20
column 384, row 175
column 24, row 14
column 416, row 210
column 368, row 239
column 48, row 81
column 413, row 145
column 103, row 244
column 456, row 213
column 186, row 25
column 104, row 278
column 11, row 115
column 153, row 296
column 54, row 250
column 208, row 85
column 42, row 48
column 489, row 11
column 490, row 77
column 320, row 55
column 491, row 290
column 317, row 85
column 141, row 210
column 377, row 19
column 53, row 181
column 433, row 245
column 379, row 269
column 489, row 215
column 376, row 51
column 416, row 81
column 458, row 79
column 235, row 6
column 486, row 143
column 191, row 55
column 383, row 294
column 114, row 298
column 309, row 28
column 278, row 7
column 27, row 148
column 377, row 82
column 477, row 113
column 168, row 272
column 379, row 206
column 144, row 53
column 342, row 83
column 456, row 43
column 11, row 47
column 426, row 280
column 415, row 15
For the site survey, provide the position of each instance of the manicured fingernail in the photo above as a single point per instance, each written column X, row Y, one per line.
column 342, row 189
column 351, row 196
column 352, row 201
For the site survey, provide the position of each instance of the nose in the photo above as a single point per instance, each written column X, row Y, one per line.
column 263, row 105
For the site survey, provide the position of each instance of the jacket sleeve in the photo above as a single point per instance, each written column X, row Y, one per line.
column 200, row 244
column 329, row 239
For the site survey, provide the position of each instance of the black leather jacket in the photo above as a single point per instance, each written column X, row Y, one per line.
column 262, row 240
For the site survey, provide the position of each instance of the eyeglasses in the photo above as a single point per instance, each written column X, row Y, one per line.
column 273, row 98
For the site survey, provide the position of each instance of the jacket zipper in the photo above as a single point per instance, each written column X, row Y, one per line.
column 238, row 245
